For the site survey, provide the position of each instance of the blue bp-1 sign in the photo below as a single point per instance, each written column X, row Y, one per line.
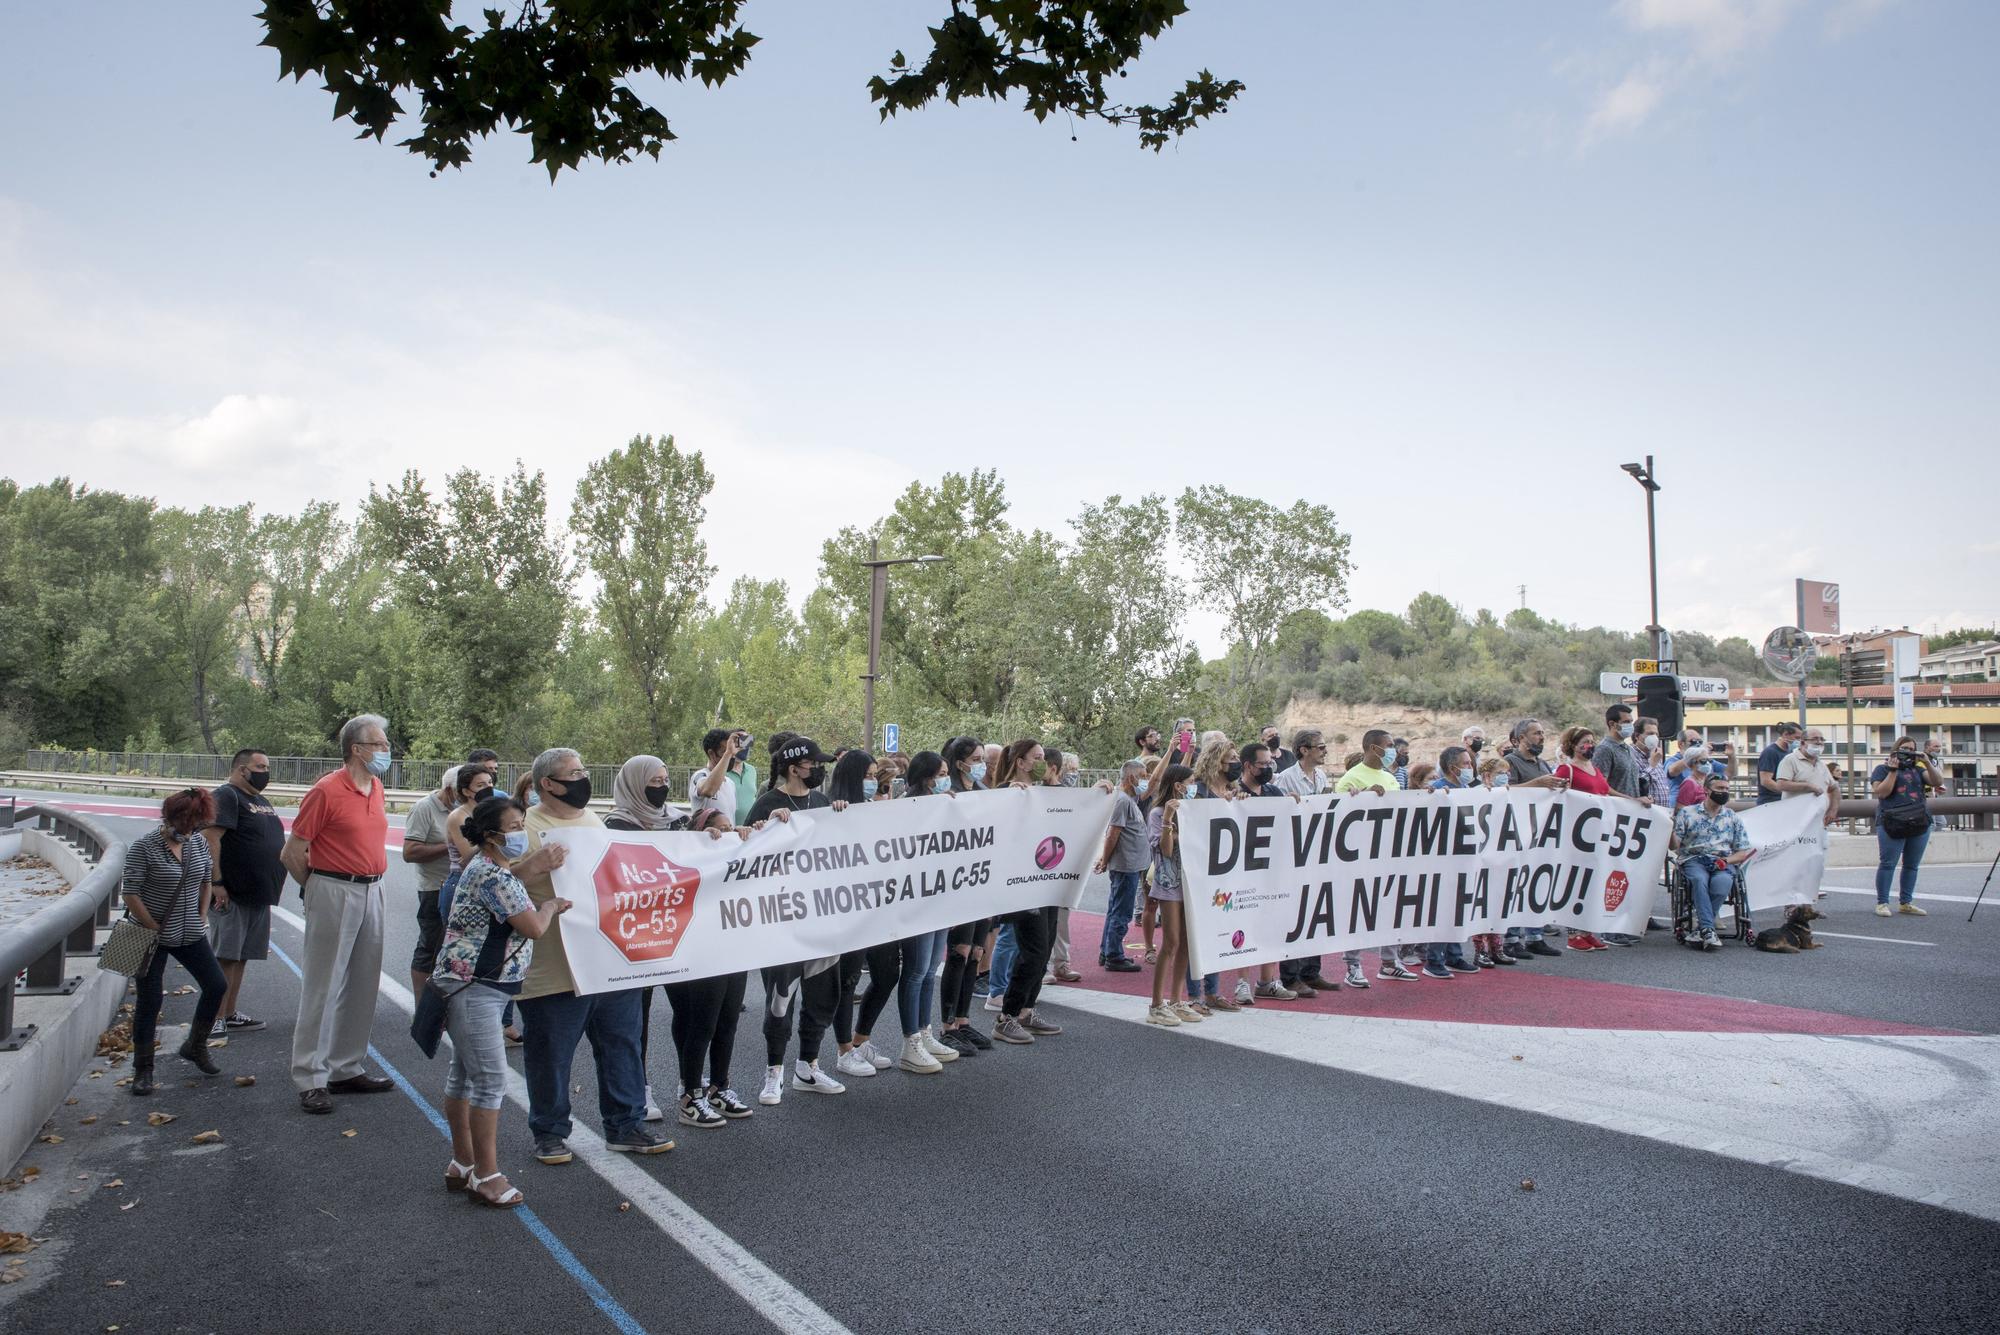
column 892, row 737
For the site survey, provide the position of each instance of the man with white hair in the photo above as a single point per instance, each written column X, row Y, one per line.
column 1473, row 739
column 335, row 852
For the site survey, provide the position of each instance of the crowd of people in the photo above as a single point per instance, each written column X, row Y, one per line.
column 206, row 880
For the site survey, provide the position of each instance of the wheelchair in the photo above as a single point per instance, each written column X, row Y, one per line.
column 1681, row 896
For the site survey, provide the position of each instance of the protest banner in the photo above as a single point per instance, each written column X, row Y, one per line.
column 664, row 907
column 1790, row 838
column 1268, row 878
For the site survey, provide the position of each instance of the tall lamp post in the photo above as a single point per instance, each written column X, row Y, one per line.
column 1643, row 475
column 878, row 589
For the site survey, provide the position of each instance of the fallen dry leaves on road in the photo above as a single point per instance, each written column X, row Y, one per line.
column 245, row 1081
column 159, row 1118
column 208, row 1138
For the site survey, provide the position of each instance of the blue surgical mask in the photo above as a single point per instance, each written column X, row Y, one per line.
column 1465, row 777
column 1500, row 779
column 869, row 788
column 1624, row 730
column 534, row 798
column 941, row 784
column 1792, row 745
column 516, row 844
column 1141, row 786
column 378, row 763
column 1389, row 758
column 978, row 772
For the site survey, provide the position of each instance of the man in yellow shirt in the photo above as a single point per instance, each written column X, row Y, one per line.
column 555, row 1017
column 1375, row 774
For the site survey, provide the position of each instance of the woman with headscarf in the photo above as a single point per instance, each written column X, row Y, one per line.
column 705, row 1009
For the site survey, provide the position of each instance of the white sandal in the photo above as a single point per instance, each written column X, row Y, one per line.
column 506, row 1200
column 457, row 1176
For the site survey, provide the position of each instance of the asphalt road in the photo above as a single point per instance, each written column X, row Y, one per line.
column 1114, row 1177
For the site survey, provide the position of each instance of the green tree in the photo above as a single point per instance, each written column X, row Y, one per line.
column 294, row 556
column 487, row 584
column 1230, row 540
column 637, row 520
column 207, row 569
column 1432, row 618
column 558, row 73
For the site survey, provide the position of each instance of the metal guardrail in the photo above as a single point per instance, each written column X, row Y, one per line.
column 40, row 945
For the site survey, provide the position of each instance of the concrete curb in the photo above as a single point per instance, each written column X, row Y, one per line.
column 35, row 1080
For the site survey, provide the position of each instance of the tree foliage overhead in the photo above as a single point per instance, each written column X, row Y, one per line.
column 557, row 71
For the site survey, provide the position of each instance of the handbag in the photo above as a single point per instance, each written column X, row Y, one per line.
column 427, row 1017
column 130, row 949
column 1905, row 816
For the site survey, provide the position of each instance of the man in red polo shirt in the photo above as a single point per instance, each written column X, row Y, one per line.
column 336, row 852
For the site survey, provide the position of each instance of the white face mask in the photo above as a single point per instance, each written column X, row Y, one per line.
column 1813, row 749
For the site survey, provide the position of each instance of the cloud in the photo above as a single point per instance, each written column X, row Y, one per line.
column 1673, row 47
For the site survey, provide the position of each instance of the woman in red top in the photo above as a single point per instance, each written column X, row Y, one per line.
column 1582, row 776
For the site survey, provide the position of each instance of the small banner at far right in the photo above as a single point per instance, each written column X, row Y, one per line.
column 1790, row 838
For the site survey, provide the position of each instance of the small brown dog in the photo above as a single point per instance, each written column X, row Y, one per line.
column 1794, row 936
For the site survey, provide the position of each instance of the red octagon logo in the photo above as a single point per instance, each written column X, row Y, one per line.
column 1614, row 890
column 644, row 902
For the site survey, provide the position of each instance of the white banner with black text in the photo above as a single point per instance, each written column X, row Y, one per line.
column 1268, row 878
column 664, row 907
column 1790, row 839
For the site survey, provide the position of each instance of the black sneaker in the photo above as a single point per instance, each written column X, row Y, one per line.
column 1543, row 948
column 641, row 1139
column 695, row 1111
column 725, row 1102
column 552, row 1150
column 1461, row 966
column 1123, row 964
column 1430, row 971
column 240, row 1023
column 979, row 1041
column 956, row 1040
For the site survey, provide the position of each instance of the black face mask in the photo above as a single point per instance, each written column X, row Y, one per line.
column 1535, row 750
column 658, row 795
column 257, row 779
column 1474, row 745
column 574, row 792
column 815, row 776
column 1719, row 796
column 1233, row 773
column 1253, row 776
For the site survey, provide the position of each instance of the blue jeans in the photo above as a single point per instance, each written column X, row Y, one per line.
column 1518, row 934
column 610, row 1020
column 1910, row 850
column 1708, row 888
column 916, row 993
column 1208, row 985
column 1118, row 913
column 1000, row 969
column 1442, row 953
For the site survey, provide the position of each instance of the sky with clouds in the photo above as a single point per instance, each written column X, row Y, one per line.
column 1443, row 269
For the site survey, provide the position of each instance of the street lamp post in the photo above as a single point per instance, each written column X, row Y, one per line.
column 1643, row 475
column 878, row 590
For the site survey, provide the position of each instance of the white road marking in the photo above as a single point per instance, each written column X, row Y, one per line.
column 1886, row 940
column 1905, row 1116
column 767, row 1292
column 1926, row 895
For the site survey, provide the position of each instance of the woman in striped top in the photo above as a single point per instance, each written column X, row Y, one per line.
column 165, row 871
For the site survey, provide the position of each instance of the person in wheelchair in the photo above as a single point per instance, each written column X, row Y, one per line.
column 1712, row 843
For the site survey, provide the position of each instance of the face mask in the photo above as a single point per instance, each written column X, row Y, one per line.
column 1474, row 745
column 515, row 842
column 941, row 784
column 1719, row 796
column 1233, row 773
column 257, row 779
column 869, row 787
column 1650, row 742
column 534, row 797
column 1792, row 745
column 1465, row 777
column 815, row 776
column 1813, row 749
column 575, row 792
column 1389, row 758
column 1070, row 780
column 1624, row 730
column 1535, row 750
column 378, row 763
column 978, row 772
column 1500, row 780
column 1140, row 787
column 1586, row 751
column 657, row 794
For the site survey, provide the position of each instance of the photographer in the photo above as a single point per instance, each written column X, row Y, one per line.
column 1902, row 825
column 727, row 784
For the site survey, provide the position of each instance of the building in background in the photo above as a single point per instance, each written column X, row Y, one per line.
column 1975, row 662
column 1964, row 716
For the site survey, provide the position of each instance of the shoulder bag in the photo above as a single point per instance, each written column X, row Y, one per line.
column 130, row 949
column 433, row 1003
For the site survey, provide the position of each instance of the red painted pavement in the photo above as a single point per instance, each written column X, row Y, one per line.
column 1527, row 994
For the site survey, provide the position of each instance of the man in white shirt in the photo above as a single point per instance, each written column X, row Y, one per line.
column 1306, row 778
column 1804, row 773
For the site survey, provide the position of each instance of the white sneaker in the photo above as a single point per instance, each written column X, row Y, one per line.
column 995, row 1000
column 773, row 1092
column 653, row 1113
column 916, row 1060
column 942, row 1051
column 853, row 1063
column 1162, row 1015
column 814, row 1079
column 1187, row 1014
column 1244, row 995
column 874, row 1056
column 1881, row 910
